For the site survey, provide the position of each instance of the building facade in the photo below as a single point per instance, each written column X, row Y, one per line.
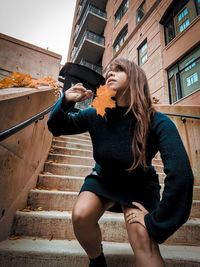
column 162, row 36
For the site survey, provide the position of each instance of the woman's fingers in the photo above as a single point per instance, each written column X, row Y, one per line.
column 78, row 93
column 140, row 206
column 136, row 215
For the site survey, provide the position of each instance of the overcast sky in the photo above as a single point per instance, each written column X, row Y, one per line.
column 45, row 23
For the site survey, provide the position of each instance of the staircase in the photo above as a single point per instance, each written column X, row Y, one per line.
column 42, row 233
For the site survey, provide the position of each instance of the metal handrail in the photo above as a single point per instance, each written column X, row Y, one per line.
column 12, row 130
column 183, row 115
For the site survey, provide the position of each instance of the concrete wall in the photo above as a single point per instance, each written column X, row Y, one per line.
column 22, row 155
column 16, row 55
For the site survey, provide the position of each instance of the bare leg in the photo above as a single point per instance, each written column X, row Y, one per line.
column 85, row 215
column 145, row 249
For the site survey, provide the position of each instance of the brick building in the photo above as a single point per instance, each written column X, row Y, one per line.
column 160, row 35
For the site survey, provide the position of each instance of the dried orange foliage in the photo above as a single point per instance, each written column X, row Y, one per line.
column 47, row 173
column 103, row 99
column 40, row 187
column 19, row 79
column 30, row 208
column 15, row 237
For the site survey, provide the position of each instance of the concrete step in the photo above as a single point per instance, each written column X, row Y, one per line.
column 79, row 136
column 64, row 200
column 71, row 151
column 195, row 211
column 75, row 170
column 157, row 161
column 67, row 169
column 159, row 168
column 60, row 182
column 32, row 252
column 82, row 135
column 51, row 200
column 73, row 139
column 161, row 177
column 58, row 224
column 70, row 159
column 72, row 145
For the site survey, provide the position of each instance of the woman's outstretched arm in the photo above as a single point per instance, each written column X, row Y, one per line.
column 61, row 121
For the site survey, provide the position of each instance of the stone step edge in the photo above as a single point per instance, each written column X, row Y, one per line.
column 61, row 138
column 65, row 192
column 70, row 148
column 31, row 246
column 61, row 176
column 52, row 214
column 74, row 143
column 81, row 177
column 70, row 156
column 67, row 165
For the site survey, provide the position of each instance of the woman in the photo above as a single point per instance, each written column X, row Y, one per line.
column 125, row 141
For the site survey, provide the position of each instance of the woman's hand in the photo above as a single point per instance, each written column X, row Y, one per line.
column 136, row 215
column 77, row 93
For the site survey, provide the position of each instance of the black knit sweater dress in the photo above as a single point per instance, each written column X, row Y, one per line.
column 111, row 139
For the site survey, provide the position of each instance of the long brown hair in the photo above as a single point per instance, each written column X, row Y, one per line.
column 141, row 105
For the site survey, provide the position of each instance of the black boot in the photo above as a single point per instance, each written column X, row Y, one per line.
column 99, row 261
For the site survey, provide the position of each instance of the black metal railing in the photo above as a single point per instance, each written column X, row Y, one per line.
column 82, row 8
column 93, row 10
column 92, row 37
column 92, row 66
column 183, row 115
column 12, row 130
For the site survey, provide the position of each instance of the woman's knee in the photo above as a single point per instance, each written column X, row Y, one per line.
column 140, row 239
column 80, row 216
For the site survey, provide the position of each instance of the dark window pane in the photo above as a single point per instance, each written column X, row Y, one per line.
column 121, row 11
column 169, row 31
column 142, row 52
column 182, row 16
column 140, row 12
column 120, row 39
column 198, row 6
column 184, row 76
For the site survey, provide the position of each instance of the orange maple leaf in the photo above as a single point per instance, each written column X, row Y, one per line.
column 19, row 79
column 103, row 99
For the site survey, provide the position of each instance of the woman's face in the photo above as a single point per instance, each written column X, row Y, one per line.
column 117, row 79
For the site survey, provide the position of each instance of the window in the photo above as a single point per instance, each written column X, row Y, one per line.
column 140, row 12
column 142, row 53
column 178, row 17
column 120, row 39
column 184, row 76
column 198, row 6
column 121, row 11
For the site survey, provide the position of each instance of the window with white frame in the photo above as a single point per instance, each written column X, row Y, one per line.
column 140, row 12
column 121, row 11
column 179, row 17
column 120, row 39
column 184, row 76
column 142, row 53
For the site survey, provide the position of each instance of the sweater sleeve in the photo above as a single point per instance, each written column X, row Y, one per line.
column 174, row 208
column 61, row 121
